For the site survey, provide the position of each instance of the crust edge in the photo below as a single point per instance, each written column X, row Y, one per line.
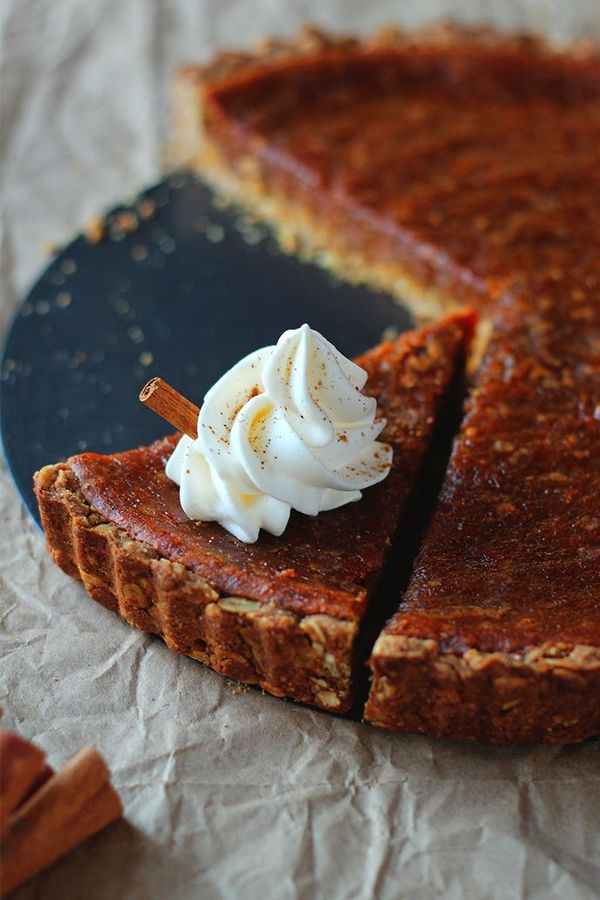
column 310, row 41
column 549, row 694
column 306, row 658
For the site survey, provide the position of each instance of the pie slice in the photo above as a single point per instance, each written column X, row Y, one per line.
column 442, row 167
column 284, row 613
column 498, row 634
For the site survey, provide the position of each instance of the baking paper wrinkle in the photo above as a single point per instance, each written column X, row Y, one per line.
column 227, row 792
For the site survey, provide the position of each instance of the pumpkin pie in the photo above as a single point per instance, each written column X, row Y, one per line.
column 287, row 613
column 450, row 167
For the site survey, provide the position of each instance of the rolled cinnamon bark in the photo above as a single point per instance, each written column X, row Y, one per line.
column 23, row 768
column 71, row 806
column 168, row 403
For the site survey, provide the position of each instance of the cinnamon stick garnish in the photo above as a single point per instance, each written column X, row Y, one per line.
column 176, row 409
column 71, row 806
column 23, row 769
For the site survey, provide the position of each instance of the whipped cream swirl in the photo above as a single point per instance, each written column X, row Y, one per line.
column 286, row 428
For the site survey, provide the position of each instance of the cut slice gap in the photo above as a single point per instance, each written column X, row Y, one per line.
column 408, row 537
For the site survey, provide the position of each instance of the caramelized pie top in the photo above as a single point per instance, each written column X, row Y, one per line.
column 322, row 564
column 478, row 160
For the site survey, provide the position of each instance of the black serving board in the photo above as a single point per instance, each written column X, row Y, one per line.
column 185, row 295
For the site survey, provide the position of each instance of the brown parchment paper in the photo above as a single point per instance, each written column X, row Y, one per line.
column 228, row 793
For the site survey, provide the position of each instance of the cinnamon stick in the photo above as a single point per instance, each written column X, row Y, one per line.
column 176, row 409
column 71, row 806
column 23, row 769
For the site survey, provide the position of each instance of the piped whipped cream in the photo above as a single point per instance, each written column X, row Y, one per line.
column 288, row 427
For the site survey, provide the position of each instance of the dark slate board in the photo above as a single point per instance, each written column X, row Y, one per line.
column 184, row 296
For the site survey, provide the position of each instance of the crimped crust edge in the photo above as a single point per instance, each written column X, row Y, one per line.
column 550, row 693
column 306, row 658
column 311, row 41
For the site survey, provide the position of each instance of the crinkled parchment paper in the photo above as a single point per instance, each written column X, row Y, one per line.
column 229, row 793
